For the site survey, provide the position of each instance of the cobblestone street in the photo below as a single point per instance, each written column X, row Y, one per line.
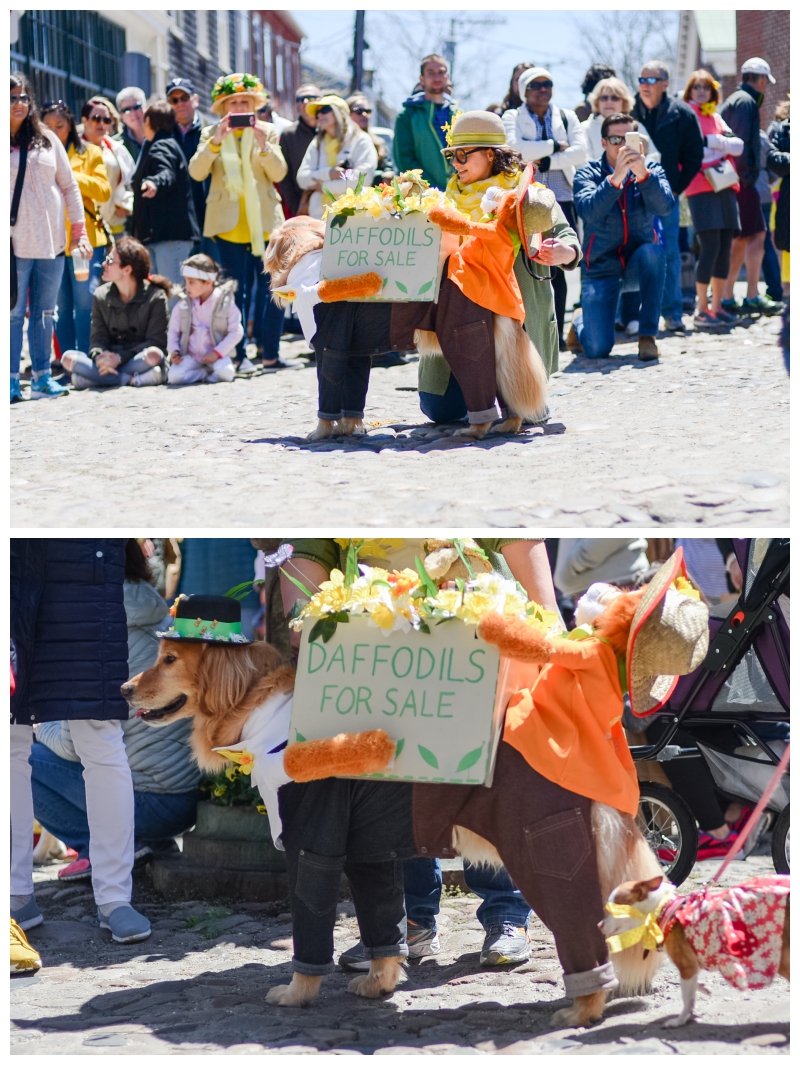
column 199, row 983
column 699, row 438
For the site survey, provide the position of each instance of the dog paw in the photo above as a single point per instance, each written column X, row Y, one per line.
column 510, row 425
column 572, row 1018
column 677, row 1022
column 476, row 431
column 367, row 986
column 276, row 995
column 322, row 432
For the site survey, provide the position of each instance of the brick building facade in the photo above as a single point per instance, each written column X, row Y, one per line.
column 766, row 34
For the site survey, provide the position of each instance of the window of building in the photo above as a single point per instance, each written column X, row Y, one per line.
column 223, row 41
column 243, row 41
column 203, row 45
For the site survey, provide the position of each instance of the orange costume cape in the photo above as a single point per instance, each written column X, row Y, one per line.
column 568, row 727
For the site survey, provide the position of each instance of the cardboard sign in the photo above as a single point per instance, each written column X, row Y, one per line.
column 404, row 251
column 440, row 697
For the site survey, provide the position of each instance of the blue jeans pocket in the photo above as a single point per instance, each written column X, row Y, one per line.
column 318, row 878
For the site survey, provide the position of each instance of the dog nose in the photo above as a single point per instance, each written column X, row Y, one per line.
column 127, row 689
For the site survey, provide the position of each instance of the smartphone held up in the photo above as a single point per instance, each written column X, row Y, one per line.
column 241, row 121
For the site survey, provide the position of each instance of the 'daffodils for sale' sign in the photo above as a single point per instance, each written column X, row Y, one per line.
column 403, row 250
column 440, row 696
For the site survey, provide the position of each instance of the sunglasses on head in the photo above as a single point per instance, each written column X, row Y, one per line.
column 361, row 110
column 538, row 85
column 178, row 99
column 326, row 110
column 460, row 155
column 603, row 99
column 650, row 81
column 127, row 110
column 22, row 98
column 102, row 119
column 304, row 99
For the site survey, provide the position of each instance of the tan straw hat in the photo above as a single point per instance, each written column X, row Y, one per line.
column 668, row 638
column 476, row 129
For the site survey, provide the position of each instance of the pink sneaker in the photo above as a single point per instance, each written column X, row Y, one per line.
column 80, row 870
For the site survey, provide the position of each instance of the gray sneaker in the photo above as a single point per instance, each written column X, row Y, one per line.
column 354, row 959
column 29, row 916
column 125, row 925
column 506, row 945
column 422, row 942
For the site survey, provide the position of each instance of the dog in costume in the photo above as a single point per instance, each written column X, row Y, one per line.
column 563, row 826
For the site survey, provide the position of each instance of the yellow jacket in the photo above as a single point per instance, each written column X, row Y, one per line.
column 90, row 173
column 222, row 210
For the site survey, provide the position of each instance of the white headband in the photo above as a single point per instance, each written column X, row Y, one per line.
column 199, row 273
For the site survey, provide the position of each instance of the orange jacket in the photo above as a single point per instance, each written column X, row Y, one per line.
column 568, row 727
column 483, row 268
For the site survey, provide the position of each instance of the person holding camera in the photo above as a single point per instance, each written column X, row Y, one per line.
column 618, row 197
column 243, row 206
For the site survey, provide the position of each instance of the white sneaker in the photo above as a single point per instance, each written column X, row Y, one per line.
column 245, row 366
column 155, row 376
column 632, row 328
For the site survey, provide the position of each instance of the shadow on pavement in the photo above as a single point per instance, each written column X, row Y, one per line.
column 376, row 440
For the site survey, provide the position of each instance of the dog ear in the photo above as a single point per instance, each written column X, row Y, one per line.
column 224, row 676
column 614, row 624
column 656, row 882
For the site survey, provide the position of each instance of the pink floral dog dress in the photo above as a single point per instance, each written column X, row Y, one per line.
column 737, row 932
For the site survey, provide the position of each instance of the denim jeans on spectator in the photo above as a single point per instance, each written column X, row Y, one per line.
column 59, row 804
column 88, row 370
column 422, row 879
column 237, row 261
column 672, row 298
column 451, row 407
column 74, row 306
column 42, row 278
column 595, row 327
column 166, row 257
column 770, row 265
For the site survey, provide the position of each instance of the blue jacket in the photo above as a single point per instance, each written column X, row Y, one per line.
column 69, row 626
column 617, row 221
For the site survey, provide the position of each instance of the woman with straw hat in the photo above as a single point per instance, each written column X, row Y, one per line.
column 337, row 156
column 243, row 205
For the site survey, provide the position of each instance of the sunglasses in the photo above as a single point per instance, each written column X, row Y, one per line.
column 460, row 155
column 539, row 85
column 127, row 110
column 109, row 260
column 616, row 138
column 604, row 99
column 304, row 99
column 650, row 81
column 22, row 98
column 178, row 99
column 101, row 120
column 326, row 110
column 360, row 110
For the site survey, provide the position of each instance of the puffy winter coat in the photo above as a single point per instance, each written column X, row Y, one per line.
column 128, row 328
column 674, row 132
column 617, row 221
column 356, row 153
column 523, row 136
column 169, row 215
column 68, row 624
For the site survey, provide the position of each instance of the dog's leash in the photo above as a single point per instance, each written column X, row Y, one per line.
column 780, row 769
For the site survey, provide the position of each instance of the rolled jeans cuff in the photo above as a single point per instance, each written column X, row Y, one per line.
column 306, row 969
column 602, row 978
column 396, row 950
column 478, row 417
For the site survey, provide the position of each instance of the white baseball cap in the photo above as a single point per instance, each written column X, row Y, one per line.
column 757, row 65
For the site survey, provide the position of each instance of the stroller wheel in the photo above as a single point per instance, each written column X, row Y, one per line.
column 669, row 827
column 780, row 842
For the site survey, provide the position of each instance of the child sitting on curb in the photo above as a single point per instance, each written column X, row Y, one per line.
column 205, row 326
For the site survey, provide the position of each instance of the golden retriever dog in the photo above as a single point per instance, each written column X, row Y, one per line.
column 218, row 686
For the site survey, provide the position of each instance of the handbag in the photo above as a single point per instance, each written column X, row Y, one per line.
column 23, row 162
column 721, row 175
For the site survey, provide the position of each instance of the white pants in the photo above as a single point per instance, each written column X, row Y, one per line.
column 109, row 808
column 189, row 372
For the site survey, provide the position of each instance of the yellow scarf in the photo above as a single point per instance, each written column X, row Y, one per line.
column 468, row 199
column 240, row 182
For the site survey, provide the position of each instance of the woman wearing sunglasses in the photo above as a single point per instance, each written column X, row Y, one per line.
column 609, row 97
column 39, row 236
column 101, row 126
column 75, row 296
column 337, row 156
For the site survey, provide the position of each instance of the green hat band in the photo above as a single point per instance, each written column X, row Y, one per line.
column 218, row 630
column 476, row 139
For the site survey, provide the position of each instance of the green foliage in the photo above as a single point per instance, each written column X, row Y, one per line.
column 229, row 787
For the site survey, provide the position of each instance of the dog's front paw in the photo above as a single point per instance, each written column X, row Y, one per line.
column 678, row 1022
column 351, row 427
column 367, row 985
column 477, row 431
column 510, row 425
column 276, row 995
column 322, row 432
column 572, row 1017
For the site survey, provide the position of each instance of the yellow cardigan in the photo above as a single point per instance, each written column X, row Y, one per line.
column 222, row 210
column 90, row 173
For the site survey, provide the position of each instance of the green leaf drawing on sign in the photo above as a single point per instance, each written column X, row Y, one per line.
column 425, row 288
column 428, row 756
column 385, row 280
column 300, row 737
column 399, row 748
column 401, row 286
column 470, row 759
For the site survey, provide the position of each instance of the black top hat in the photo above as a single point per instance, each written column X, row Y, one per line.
column 206, row 618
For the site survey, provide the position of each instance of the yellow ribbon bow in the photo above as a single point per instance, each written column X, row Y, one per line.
column 649, row 931
column 244, row 759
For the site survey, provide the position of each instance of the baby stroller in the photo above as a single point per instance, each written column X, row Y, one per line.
column 728, row 709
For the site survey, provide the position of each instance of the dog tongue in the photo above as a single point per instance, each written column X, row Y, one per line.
column 139, row 712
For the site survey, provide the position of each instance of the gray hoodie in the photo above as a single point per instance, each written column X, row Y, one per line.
column 160, row 758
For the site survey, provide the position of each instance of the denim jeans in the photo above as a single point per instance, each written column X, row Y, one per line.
column 451, row 407
column 770, row 265
column 238, row 262
column 672, row 298
column 59, row 804
column 87, row 369
column 364, row 829
column 41, row 278
column 74, row 307
column 166, row 257
column 422, row 879
column 595, row 327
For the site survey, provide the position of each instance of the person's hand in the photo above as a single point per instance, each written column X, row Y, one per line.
column 639, row 166
column 222, row 130
column 107, row 361
column 624, row 159
column 175, row 358
column 148, row 190
column 336, row 172
column 211, row 358
column 261, row 138
column 554, row 252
